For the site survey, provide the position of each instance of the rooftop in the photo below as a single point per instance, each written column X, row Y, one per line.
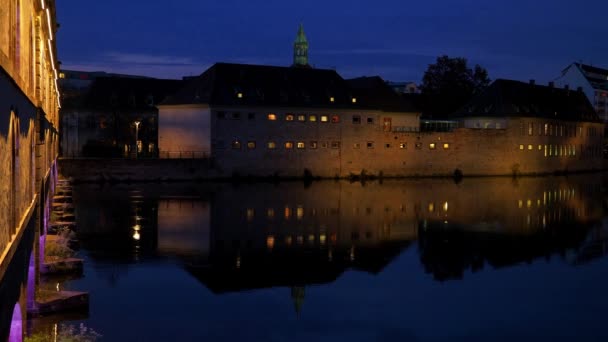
column 507, row 98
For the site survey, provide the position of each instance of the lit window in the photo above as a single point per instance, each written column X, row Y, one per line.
column 324, row 118
column 61, row 75
column 370, row 121
column 370, row 144
column 301, row 145
column 356, row 145
column 335, row 119
column 289, row 145
column 250, row 214
column 300, row 212
column 445, row 206
column 354, row 100
column 289, row 117
column 313, row 145
column 331, row 99
column 432, row 146
column 150, row 147
column 521, row 147
column 270, row 241
column 251, row 145
column 271, row 145
column 431, row 207
column 356, row 119
column 312, row 118
column 546, row 129
column 403, row 146
column 272, row 117
column 239, row 95
column 530, row 147
column 236, row 144
column 540, row 147
column 287, row 213
column 270, row 213
column 546, row 151
column 139, row 146
column 335, row 144
column 446, row 146
column 302, row 117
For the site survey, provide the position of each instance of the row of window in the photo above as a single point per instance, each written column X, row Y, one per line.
column 356, row 119
column 561, row 150
column 556, row 130
column 289, row 145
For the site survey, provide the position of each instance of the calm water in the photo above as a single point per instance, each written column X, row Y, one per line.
column 427, row 260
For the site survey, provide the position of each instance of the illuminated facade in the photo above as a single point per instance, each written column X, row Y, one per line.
column 28, row 132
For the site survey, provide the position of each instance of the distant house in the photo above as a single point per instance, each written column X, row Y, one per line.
column 112, row 116
column 404, row 87
column 592, row 80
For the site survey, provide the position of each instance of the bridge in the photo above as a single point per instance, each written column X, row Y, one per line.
column 29, row 111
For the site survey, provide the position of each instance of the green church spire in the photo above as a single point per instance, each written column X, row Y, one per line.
column 300, row 49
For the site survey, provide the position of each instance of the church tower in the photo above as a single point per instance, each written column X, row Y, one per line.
column 300, row 49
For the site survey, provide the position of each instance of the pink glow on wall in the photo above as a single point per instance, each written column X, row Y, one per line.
column 16, row 334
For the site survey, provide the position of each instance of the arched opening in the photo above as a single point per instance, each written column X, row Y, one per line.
column 16, row 333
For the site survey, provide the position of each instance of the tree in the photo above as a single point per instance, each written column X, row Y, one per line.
column 449, row 84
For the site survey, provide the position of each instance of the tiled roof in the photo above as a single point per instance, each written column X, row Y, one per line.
column 226, row 84
column 507, row 98
column 374, row 92
column 119, row 92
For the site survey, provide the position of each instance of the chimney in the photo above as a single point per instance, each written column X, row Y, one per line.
column 551, row 84
column 532, row 82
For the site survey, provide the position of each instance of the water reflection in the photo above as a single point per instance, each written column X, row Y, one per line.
column 247, row 236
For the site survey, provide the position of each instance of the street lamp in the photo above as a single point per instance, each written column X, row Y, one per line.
column 137, row 123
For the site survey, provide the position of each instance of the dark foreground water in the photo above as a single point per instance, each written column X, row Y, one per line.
column 425, row 260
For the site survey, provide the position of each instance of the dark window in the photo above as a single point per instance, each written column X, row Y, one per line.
column 370, row 121
column 251, row 116
column 236, row 116
column 356, row 119
column 236, row 145
column 335, row 118
column 313, row 144
column 370, row 144
column 221, row 115
column 335, row 144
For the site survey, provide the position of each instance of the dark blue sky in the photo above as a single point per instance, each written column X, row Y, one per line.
column 396, row 39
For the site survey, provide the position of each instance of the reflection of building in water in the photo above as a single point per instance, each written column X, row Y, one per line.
column 288, row 235
column 247, row 236
column 183, row 226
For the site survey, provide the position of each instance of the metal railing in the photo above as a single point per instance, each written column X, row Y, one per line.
column 183, row 154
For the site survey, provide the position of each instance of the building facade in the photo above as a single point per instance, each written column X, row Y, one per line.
column 111, row 116
column 513, row 128
column 29, row 107
column 592, row 80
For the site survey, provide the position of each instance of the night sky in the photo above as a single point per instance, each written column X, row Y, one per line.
column 396, row 39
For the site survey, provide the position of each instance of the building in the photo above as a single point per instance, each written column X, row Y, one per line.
column 404, row 87
column 266, row 120
column 111, row 116
column 29, row 107
column 253, row 120
column 592, row 80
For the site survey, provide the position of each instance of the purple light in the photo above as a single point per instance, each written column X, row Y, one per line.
column 16, row 334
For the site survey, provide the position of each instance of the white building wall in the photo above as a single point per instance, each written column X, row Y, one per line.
column 184, row 129
column 574, row 78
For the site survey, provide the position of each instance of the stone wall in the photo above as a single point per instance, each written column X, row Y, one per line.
column 125, row 170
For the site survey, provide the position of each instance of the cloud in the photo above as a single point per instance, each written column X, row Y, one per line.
column 144, row 59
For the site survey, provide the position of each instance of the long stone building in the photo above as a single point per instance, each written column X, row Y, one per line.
column 29, row 105
column 288, row 122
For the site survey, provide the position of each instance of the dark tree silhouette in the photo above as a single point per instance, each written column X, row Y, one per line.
column 449, row 84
